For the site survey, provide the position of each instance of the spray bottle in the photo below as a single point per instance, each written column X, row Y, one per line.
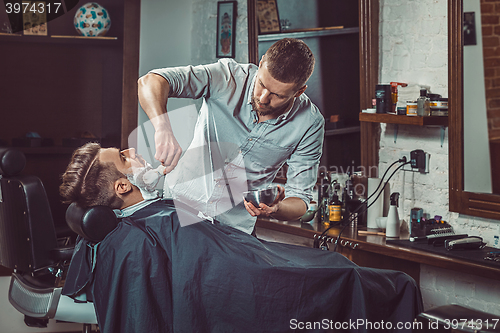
column 392, row 227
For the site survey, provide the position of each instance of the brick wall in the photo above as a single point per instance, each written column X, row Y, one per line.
column 440, row 286
column 490, row 18
column 413, row 49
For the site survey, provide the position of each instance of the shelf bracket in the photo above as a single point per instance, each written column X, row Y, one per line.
column 443, row 131
column 396, row 128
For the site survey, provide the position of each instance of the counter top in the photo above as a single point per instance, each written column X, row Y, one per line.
column 358, row 239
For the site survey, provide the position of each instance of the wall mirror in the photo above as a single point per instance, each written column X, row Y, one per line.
column 481, row 96
column 466, row 196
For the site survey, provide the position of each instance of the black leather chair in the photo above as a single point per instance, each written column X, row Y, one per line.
column 455, row 318
column 29, row 246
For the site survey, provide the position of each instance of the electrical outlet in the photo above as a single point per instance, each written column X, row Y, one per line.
column 406, row 154
column 408, row 167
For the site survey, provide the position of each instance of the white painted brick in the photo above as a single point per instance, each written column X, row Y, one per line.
column 464, row 288
column 427, row 277
column 434, row 299
column 432, row 26
column 419, row 58
column 403, row 62
column 436, row 62
column 399, row 12
column 445, row 283
column 387, row 3
column 473, row 303
column 438, row 8
column 494, row 309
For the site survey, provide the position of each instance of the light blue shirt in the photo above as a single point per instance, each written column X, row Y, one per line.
column 126, row 212
column 231, row 152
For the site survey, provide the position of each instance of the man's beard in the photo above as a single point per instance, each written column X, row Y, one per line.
column 275, row 112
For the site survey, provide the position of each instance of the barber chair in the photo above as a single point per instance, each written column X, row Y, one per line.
column 29, row 246
column 455, row 318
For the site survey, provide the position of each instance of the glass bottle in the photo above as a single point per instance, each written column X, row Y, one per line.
column 423, row 104
column 335, row 208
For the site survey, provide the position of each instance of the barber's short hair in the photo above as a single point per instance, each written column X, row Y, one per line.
column 290, row 60
column 89, row 182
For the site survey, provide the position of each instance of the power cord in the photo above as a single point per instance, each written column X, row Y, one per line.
column 351, row 215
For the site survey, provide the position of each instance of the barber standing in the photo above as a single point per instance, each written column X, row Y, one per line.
column 253, row 120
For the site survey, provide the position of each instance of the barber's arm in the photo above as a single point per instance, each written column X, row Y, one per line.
column 287, row 209
column 193, row 82
column 302, row 175
column 153, row 95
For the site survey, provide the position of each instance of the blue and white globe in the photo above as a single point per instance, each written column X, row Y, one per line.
column 92, row 20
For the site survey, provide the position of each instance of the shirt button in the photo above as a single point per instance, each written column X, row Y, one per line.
column 250, row 139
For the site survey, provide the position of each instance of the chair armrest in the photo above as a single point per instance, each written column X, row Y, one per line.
column 459, row 318
column 62, row 253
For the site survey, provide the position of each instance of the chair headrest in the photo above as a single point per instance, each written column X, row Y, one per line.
column 92, row 223
column 12, row 162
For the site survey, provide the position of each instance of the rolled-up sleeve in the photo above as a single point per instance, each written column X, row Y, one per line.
column 198, row 81
column 304, row 162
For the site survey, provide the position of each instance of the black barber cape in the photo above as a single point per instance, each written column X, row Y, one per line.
column 152, row 275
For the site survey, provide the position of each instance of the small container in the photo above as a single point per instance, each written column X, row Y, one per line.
column 423, row 104
column 383, row 98
column 401, row 110
column 433, row 97
column 411, row 108
column 439, row 107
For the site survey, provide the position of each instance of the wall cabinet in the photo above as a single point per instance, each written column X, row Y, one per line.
column 61, row 86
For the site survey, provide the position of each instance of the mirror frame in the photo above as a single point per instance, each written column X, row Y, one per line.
column 368, row 11
column 469, row 203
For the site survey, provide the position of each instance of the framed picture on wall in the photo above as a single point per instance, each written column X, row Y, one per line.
column 268, row 17
column 226, row 24
column 34, row 18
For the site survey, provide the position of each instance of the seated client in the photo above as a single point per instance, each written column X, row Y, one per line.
column 151, row 274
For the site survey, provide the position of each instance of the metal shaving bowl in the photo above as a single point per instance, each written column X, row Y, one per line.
column 265, row 196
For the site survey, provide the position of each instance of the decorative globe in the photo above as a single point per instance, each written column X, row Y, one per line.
column 92, row 20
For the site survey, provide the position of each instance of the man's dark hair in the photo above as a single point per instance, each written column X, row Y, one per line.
column 290, row 60
column 89, row 182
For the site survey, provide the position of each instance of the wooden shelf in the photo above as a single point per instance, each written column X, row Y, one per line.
column 403, row 120
column 343, row 130
column 47, row 150
column 309, row 33
column 58, row 39
column 85, row 37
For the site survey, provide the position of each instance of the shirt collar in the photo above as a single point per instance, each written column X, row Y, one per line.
column 250, row 90
column 126, row 212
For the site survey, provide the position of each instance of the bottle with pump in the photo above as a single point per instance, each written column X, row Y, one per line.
column 392, row 227
column 423, row 104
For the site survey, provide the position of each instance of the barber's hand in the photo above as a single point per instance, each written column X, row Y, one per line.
column 263, row 209
column 168, row 150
